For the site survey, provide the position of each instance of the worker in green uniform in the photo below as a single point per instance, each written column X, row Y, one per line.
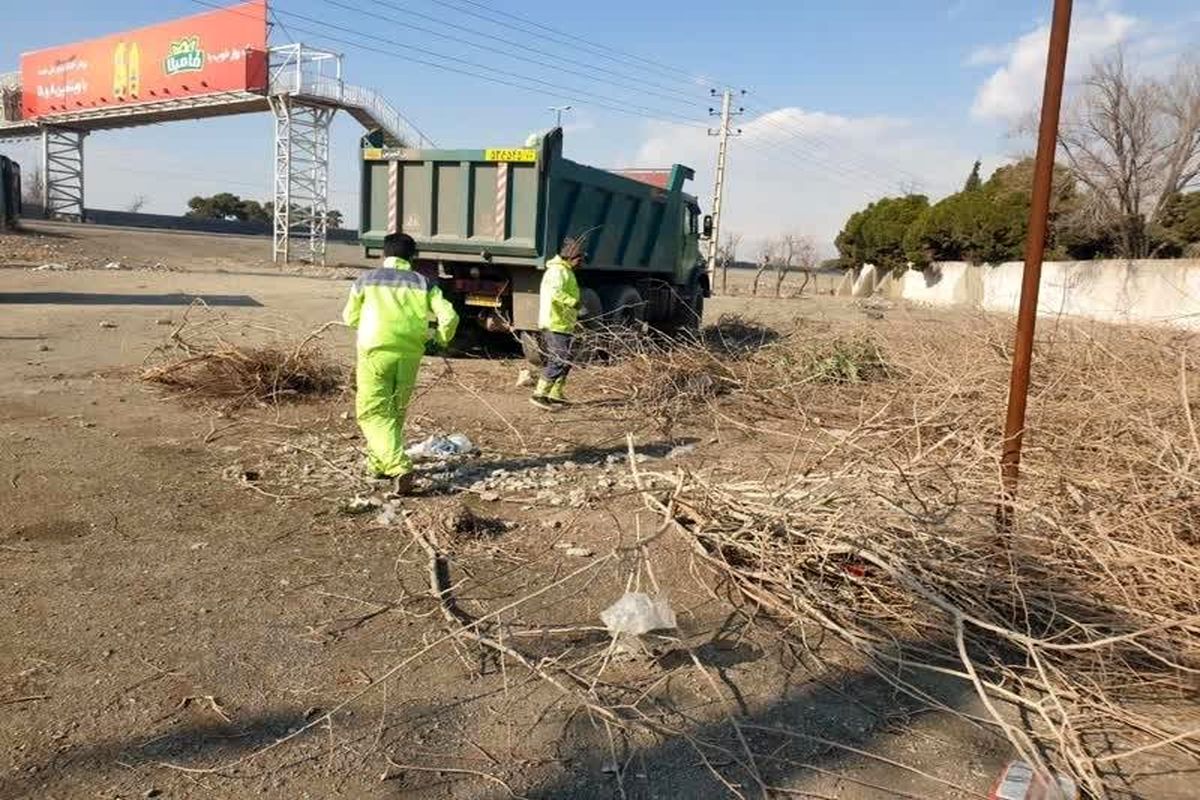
column 391, row 308
column 558, row 311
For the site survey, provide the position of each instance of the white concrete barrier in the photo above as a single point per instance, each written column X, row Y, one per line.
column 864, row 284
column 1157, row 292
column 947, row 283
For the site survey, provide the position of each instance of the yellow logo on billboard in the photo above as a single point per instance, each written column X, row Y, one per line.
column 184, row 55
column 521, row 154
column 127, row 69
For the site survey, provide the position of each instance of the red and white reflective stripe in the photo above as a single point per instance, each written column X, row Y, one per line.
column 393, row 197
column 501, row 199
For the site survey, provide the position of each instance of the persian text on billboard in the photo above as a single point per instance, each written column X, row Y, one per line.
column 217, row 51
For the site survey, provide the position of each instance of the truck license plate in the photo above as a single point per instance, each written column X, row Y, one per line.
column 486, row 300
column 520, row 154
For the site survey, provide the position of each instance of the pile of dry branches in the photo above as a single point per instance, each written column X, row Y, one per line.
column 666, row 381
column 199, row 363
column 1077, row 627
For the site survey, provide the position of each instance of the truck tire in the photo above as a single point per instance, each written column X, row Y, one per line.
column 623, row 306
column 688, row 314
column 591, row 306
column 695, row 310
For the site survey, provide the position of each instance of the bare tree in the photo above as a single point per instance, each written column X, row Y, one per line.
column 726, row 255
column 766, row 255
column 794, row 251
column 136, row 204
column 1179, row 104
column 1133, row 143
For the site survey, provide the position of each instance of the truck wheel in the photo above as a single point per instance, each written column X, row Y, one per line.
column 623, row 305
column 688, row 313
column 591, row 308
column 531, row 348
column 695, row 311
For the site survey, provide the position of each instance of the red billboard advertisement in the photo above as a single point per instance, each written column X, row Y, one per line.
column 217, row 51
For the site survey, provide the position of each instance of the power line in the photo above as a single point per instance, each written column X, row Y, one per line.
column 805, row 159
column 820, row 148
column 559, row 91
column 858, row 166
column 809, row 164
column 507, row 53
column 801, row 144
column 674, row 94
column 800, row 155
column 282, row 27
column 566, row 38
column 406, row 48
column 865, row 160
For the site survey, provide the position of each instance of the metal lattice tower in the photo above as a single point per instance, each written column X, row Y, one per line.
column 301, row 196
column 301, row 179
column 62, row 179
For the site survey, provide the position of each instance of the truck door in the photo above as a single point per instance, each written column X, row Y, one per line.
column 689, row 253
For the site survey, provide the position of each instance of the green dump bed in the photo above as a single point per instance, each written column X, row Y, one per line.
column 514, row 207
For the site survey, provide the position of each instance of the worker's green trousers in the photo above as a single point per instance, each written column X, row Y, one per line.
column 385, row 382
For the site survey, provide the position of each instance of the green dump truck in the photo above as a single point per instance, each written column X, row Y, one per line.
column 487, row 221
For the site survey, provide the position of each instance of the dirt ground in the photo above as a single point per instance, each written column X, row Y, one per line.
column 181, row 587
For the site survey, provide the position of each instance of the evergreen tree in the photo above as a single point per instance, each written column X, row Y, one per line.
column 974, row 183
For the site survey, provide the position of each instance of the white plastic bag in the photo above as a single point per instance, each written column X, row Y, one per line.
column 438, row 446
column 637, row 613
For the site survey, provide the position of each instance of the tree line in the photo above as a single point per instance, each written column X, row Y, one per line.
column 225, row 205
column 1125, row 186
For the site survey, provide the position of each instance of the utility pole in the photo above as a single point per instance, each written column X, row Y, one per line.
column 723, row 134
column 1035, row 250
column 558, row 114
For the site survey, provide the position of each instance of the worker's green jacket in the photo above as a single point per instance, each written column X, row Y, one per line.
column 391, row 308
column 558, row 309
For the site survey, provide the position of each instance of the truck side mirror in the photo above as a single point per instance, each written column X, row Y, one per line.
column 708, row 226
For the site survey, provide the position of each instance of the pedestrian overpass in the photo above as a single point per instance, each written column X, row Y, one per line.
column 304, row 90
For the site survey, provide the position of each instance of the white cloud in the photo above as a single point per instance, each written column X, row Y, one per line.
column 801, row 171
column 1013, row 89
column 989, row 54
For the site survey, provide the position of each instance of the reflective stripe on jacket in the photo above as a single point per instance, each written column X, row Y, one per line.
column 391, row 307
column 559, row 299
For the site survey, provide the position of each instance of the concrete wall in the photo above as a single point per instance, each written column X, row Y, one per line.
column 138, row 219
column 1150, row 291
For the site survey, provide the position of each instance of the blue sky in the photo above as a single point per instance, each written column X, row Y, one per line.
column 861, row 97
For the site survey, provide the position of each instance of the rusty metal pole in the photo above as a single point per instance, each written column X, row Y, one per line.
column 1035, row 250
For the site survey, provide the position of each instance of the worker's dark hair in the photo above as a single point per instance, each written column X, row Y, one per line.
column 400, row 245
column 572, row 248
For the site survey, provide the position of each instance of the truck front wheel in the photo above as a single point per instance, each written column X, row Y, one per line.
column 623, row 305
column 689, row 305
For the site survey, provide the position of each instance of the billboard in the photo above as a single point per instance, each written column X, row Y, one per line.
column 215, row 51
